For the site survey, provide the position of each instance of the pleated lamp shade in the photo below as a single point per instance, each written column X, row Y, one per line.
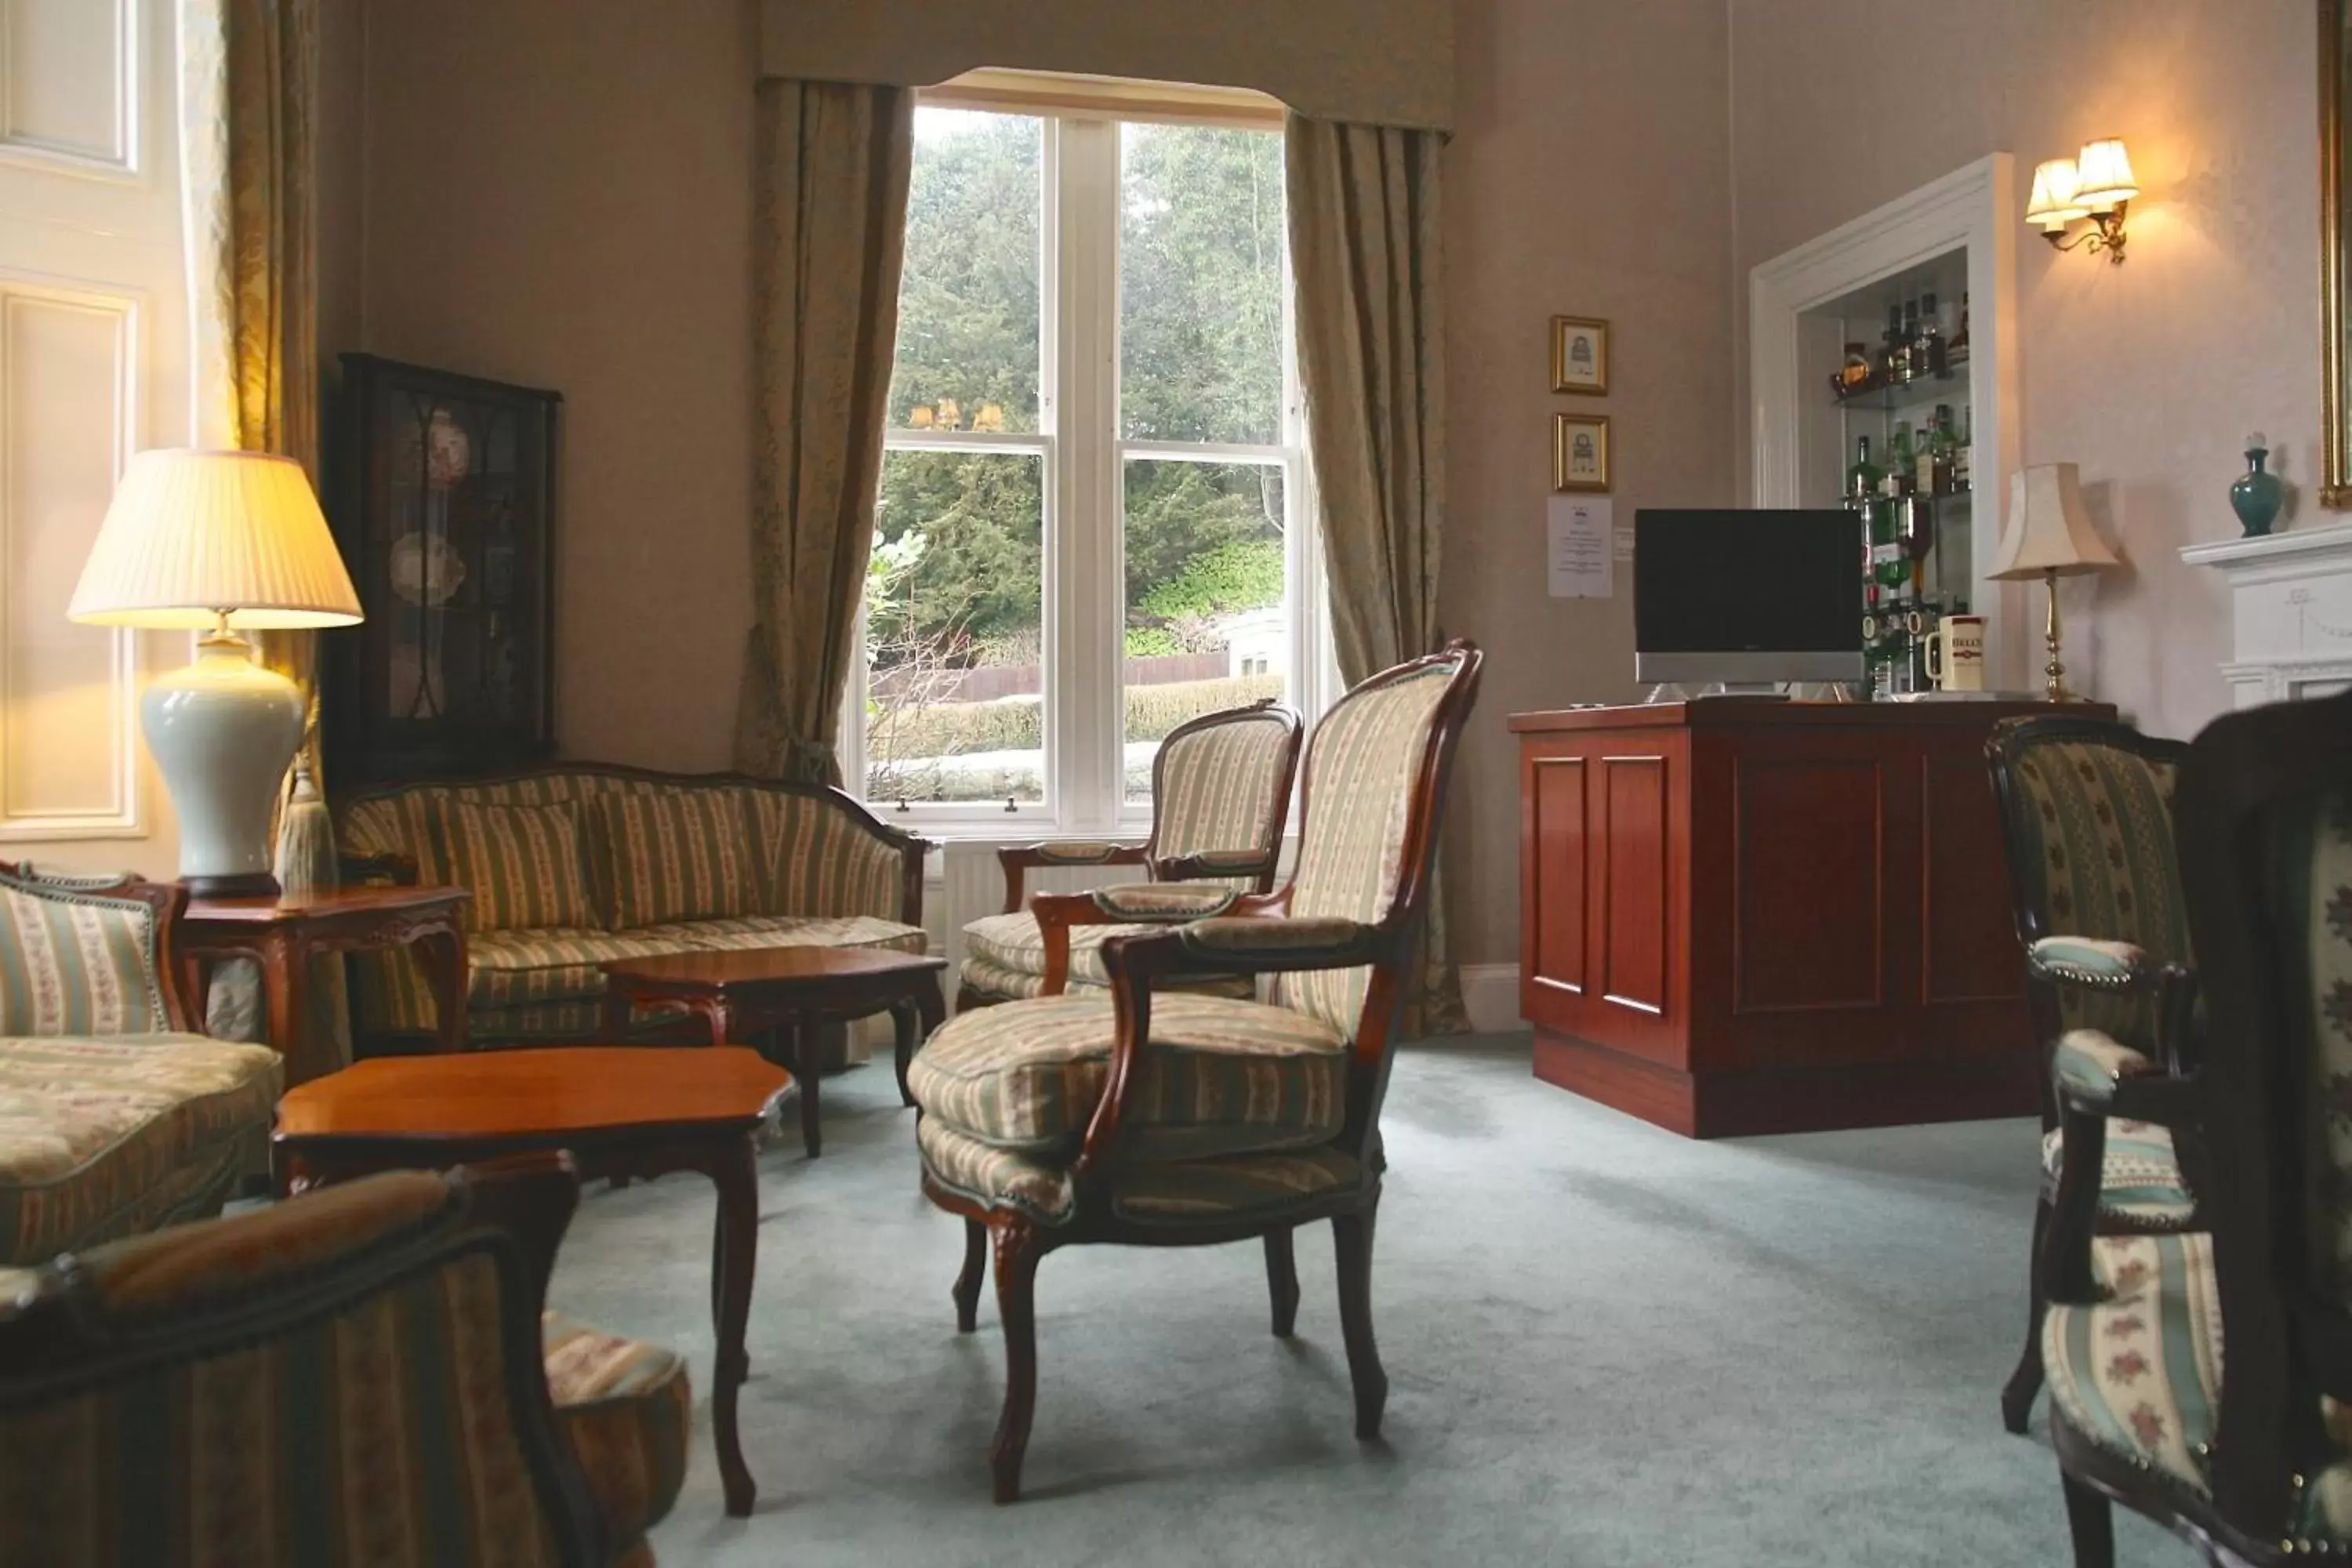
column 193, row 534
column 2049, row 530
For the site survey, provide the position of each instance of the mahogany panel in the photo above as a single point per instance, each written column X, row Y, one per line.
column 1556, row 927
column 1968, row 942
column 1808, row 902
column 1656, row 1093
column 1634, row 893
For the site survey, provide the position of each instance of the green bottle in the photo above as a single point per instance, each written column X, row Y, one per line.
column 1862, row 479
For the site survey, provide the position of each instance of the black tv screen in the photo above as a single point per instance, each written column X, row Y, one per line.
column 1748, row 595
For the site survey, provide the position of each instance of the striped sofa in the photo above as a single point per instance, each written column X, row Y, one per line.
column 113, row 1119
column 581, row 862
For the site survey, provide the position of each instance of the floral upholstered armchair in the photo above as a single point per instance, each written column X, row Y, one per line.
column 2244, row 1456
column 2086, row 809
column 113, row 1118
column 1220, row 795
column 1162, row 1116
column 358, row 1376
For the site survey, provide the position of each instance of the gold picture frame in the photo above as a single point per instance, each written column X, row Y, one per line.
column 1580, row 453
column 2335, row 256
column 1579, row 355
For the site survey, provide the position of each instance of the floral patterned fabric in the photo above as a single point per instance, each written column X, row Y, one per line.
column 1219, row 1076
column 2320, row 908
column 627, row 1408
column 1170, row 1191
column 1361, row 771
column 1164, row 901
column 2090, row 1065
column 75, row 963
column 2140, row 1181
column 105, row 1138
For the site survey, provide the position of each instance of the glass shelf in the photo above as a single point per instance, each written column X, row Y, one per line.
column 1919, row 390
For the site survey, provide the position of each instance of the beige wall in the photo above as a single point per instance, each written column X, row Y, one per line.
column 1588, row 176
column 559, row 194
column 2147, row 375
column 1388, row 61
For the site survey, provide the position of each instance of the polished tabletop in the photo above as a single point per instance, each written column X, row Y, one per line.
column 270, row 909
column 570, row 1089
column 770, row 965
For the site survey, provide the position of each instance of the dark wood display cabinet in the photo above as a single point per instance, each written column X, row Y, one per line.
column 442, row 494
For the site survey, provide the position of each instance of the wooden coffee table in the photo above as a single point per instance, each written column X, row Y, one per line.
column 794, row 989
column 619, row 1111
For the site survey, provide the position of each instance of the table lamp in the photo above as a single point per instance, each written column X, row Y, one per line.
column 219, row 542
column 2050, row 536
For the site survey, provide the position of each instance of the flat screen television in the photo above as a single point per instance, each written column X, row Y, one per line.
column 1747, row 598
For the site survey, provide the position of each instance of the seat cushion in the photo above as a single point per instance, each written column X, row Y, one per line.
column 527, row 865
column 102, row 1138
column 73, row 962
column 789, row 931
column 1221, row 1076
column 2141, row 1181
column 994, row 983
column 529, row 968
column 1013, row 941
column 1231, row 1187
column 626, row 1407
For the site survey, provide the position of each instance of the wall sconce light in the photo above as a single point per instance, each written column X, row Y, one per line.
column 2095, row 183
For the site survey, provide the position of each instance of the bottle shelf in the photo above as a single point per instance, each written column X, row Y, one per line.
column 1889, row 395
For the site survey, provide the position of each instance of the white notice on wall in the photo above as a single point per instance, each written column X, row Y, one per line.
column 1579, row 548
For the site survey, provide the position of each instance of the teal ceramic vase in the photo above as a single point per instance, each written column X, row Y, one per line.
column 2255, row 497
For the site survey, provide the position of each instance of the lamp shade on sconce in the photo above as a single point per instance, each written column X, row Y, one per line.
column 2053, row 204
column 2103, row 175
column 2048, row 530
column 191, row 536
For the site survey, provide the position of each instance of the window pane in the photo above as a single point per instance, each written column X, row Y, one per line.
column 968, row 300
column 955, row 613
column 1206, row 627
column 1201, row 239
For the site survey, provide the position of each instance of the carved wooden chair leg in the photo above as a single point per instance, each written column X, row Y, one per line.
column 2090, row 1519
column 1016, row 1282
column 904, row 1025
column 2016, row 1393
column 1282, row 1281
column 975, row 1270
column 1351, row 1236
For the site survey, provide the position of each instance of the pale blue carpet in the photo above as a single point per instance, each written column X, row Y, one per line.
column 1607, row 1346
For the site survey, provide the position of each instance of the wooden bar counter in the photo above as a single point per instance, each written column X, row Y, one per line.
column 1742, row 915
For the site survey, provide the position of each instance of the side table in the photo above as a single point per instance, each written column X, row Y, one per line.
column 283, row 934
column 617, row 1111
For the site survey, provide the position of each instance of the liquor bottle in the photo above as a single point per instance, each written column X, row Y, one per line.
column 1901, row 471
column 1927, row 346
column 1893, row 347
column 1862, row 479
column 1855, row 374
column 1957, row 351
column 1963, row 452
column 1940, row 448
column 1907, row 328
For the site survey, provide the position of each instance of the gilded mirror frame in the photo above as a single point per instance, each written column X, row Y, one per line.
column 2334, row 351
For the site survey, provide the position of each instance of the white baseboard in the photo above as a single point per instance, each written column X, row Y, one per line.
column 1490, row 994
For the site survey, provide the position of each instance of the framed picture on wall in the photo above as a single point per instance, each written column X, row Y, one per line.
column 1579, row 355
column 1580, row 452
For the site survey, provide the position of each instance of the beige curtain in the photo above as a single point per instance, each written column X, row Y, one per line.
column 1366, row 224
column 251, row 71
column 829, row 235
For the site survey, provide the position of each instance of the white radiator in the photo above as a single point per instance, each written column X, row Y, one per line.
column 964, row 883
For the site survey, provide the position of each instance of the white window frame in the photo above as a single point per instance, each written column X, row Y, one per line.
column 1079, row 440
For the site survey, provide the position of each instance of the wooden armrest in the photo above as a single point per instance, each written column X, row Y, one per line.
column 1284, row 943
column 1205, row 863
column 1017, row 858
column 1162, row 901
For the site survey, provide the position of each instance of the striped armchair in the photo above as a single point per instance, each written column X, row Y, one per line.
column 581, row 862
column 1220, row 795
column 113, row 1119
column 2086, row 809
column 363, row 1375
column 1162, row 1116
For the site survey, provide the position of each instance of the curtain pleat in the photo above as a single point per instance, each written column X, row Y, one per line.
column 250, row 107
column 1367, row 250
column 830, row 231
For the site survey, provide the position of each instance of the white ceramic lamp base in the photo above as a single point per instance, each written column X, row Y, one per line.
column 224, row 730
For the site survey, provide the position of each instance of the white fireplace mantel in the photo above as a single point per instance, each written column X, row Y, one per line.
column 2291, row 608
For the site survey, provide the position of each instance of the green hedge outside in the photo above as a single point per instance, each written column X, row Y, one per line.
column 1017, row 724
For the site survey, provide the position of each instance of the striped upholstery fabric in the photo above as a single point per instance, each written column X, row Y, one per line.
column 2100, row 865
column 678, row 855
column 749, row 931
column 1220, row 1077
column 1361, row 768
column 1013, row 943
column 1216, row 786
column 527, row 865
column 627, row 1408
column 1170, row 1191
column 800, row 854
column 381, row 1436
column 2141, row 1182
column 72, row 963
column 527, row 968
column 105, row 1138
column 994, row 981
